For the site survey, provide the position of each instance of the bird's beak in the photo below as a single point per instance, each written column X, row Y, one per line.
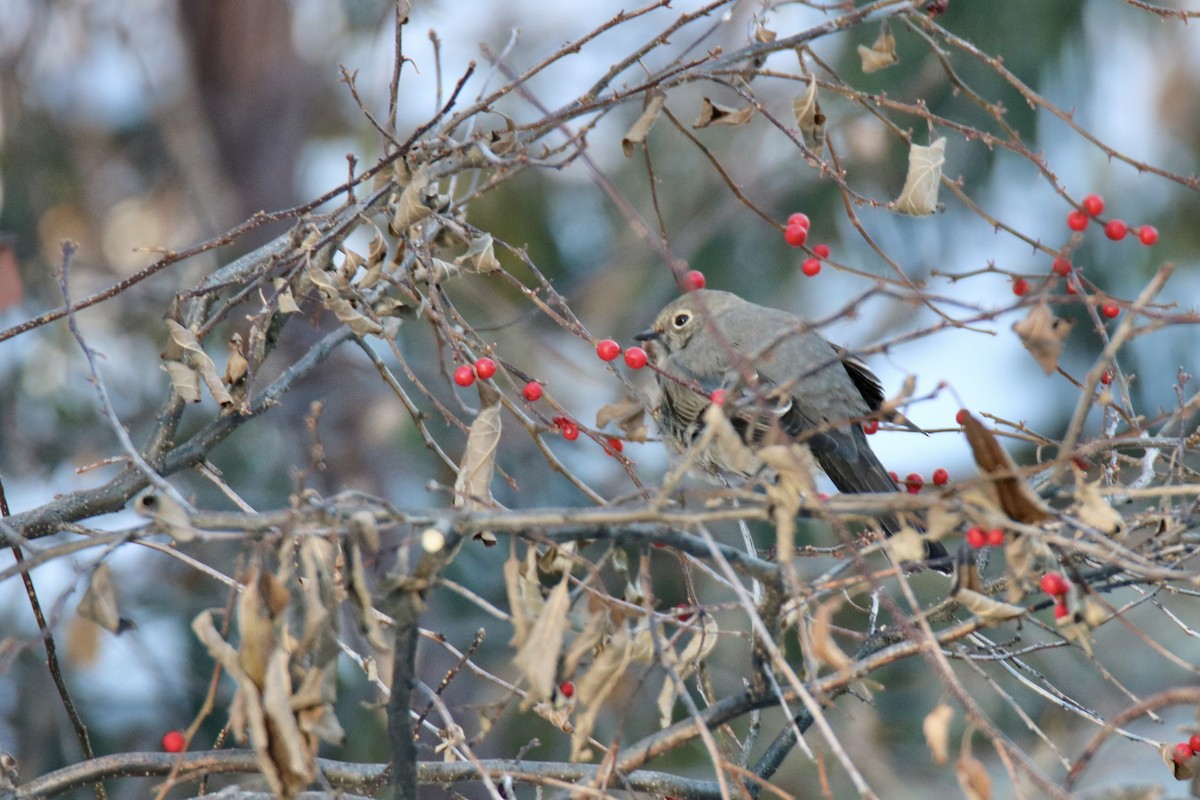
column 648, row 336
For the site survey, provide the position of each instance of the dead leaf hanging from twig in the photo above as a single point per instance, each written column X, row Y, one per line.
column 809, row 118
column 713, row 114
column 919, row 197
column 1014, row 495
column 629, row 416
column 882, row 52
column 472, row 487
column 651, row 108
column 1043, row 335
column 937, row 732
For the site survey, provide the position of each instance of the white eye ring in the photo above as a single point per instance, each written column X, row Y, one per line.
column 681, row 319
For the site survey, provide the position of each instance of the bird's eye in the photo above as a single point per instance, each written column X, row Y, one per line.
column 681, row 319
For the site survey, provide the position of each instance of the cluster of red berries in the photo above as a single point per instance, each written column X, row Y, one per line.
column 1115, row 229
column 465, row 374
column 1185, row 750
column 913, row 482
column 1055, row 585
column 796, row 234
column 978, row 538
column 608, row 350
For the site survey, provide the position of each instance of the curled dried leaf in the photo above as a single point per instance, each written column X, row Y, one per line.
column 882, row 52
column 1043, row 335
column 809, row 118
column 237, row 365
column 973, row 778
column 596, row 685
column 629, row 416
column 184, row 380
column 919, row 197
column 824, row 648
column 713, row 114
column 167, row 513
column 99, row 603
column 907, row 544
column 1094, row 510
column 413, row 204
column 194, row 356
column 1182, row 771
column 937, row 732
column 481, row 254
column 1014, row 495
column 538, row 657
column 652, row 105
column 473, row 486
column 986, row 608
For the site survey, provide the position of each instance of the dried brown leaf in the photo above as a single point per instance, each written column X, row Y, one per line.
column 986, row 608
column 1016, row 499
column 973, row 778
column 937, row 732
column 713, row 114
column 237, row 365
column 1181, row 771
column 99, row 603
column 195, row 357
column 652, row 105
column 1043, row 335
column 481, row 254
column 167, row 513
column 824, row 648
column 795, row 470
column 472, row 488
column 595, row 686
column 906, row 545
column 410, row 208
column 291, row 754
column 184, row 380
column 538, row 657
column 807, row 111
column 333, row 291
column 1094, row 510
column 629, row 416
column 882, row 52
column 919, row 197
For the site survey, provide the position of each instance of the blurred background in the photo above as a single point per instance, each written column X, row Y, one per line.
column 137, row 127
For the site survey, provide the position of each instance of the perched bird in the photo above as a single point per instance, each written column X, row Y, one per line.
column 782, row 381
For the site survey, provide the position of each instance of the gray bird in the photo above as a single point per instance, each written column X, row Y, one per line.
column 783, row 382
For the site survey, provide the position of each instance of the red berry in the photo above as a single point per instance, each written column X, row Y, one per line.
column 913, row 482
column 1060, row 610
column 567, row 688
column 895, row 478
column 940, row 477
column 799, row 220
column 485, row 368
column 683, row 612
column 1020, row 287
column 976, row 537
column 1053, row 583
column 172, row 741
column 810, row 267
column 795, row 235
column 1194, row 742
column 718, row 397
column 821, row 250
column 570, row 431
column 464, row 375
column 1183, row 752
column 607, row 350
column 1071, row 287
column 1093, row 204
column 1106, row 378
column 995, row 537
column 532, row 391
column 693, row 280
column 614, row 444
column 1110, row 310
column 1148, row 235
column 822, row 496
column 1116, row 229
column 635, row 358
column 659, row 544
column 870, row 427
column 961, row 416
column 1062, row 266
column 1077, row 220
